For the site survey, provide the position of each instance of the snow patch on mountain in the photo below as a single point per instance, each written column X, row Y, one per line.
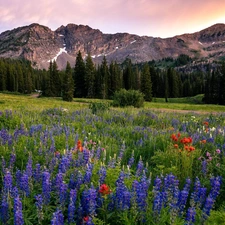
column 61, row 50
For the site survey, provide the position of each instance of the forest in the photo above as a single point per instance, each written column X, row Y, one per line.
column 85, row 79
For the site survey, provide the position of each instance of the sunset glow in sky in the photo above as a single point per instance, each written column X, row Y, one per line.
column 157, row 18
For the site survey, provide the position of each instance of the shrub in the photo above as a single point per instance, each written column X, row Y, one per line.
column 124, row 98
column 96, row 107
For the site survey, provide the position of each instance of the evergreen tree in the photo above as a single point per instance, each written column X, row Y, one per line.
column 128, row 75
column 79, row 77
column 55, row 80
column 115, row 82
column 146, row 84
column 68, row 84
column 3, row 75
column 104, row 75
column 90, row 77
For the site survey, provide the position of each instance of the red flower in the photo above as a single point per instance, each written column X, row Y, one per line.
column 79, row 146
column 86, row 218
column 206, row 123
column 104, row 189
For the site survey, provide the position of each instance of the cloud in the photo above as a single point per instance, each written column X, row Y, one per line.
column 154, row 18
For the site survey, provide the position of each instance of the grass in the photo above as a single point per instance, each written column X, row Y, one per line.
column 14, row 101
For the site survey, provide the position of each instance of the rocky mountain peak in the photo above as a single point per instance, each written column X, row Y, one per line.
column 40, row 45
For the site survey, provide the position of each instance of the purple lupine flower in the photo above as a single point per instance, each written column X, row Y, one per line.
column 72, row 184
column 182, row 200
column 37, row 173
column 72, row 206
column 17, row 209
column 46, row 186
column 7, row 182
column 39, row 204
column 18, row 177
column 190, row 217
column 207, row 208
column 58, row 218
column 39, row 201
column 89, row 201
column 98, row 153
column 131, row 160
column 58, row 181
column 140, row 167
column 158, row 197
column 88, row 173
column 79, row 180
column 204, row 167
column 12, row 160
column 122, row 149
column 29, row 167
column 63, row 193
column 86, row 156
column 102, row 174
column 24, row 184
column 4, row 210
column 112, row 162
column 215, row 186
column 64, row 164
column 122, row 195
column 194, row 201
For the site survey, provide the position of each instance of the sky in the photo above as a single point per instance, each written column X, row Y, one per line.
column 156, row 18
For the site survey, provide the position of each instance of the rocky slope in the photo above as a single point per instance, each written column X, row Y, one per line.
column 40, row 44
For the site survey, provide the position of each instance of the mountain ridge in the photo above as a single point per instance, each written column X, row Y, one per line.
column 40, row 45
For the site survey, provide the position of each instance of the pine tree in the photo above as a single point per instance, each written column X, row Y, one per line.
column 103, row 79
column 55, row 80
column 146, row 84
column 128, row 75
column 90, row 77
column 68, row 84
column 3, row 74
column 78, row 77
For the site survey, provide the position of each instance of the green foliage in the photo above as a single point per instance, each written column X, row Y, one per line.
column 97, row 107
column 123, row 98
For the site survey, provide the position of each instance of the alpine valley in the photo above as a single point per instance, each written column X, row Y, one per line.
column 40, row 45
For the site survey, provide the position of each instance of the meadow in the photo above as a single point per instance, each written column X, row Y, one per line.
column 62, row 163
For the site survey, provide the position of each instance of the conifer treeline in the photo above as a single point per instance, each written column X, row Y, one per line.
column 87, row 80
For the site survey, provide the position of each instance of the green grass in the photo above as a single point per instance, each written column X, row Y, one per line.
column 14, row 101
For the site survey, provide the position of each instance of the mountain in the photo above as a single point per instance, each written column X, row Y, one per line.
column 40, row 44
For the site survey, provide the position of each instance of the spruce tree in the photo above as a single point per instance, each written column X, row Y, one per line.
column 90, row 77
column 55, row 80
column 79, row 77
column 146, row 84
column 68, row 84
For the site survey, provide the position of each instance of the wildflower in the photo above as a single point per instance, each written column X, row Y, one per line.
column 176, row 146
column 18, row 214
column 218, row 151
column 58, row 218
column 190, row 217
column 206, row 123
column 102, row 174
column 203, row 141
column 104, row 189
column 4, row 209
column 72, row 205
column 79, row 146
column 88, row 201
column 7, row 182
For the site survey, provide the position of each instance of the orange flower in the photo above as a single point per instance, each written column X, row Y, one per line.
column 206, row 123
column 203, row 141
column 191, row 148
column 104, row 189
column 176, row 146
column 79, row 146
